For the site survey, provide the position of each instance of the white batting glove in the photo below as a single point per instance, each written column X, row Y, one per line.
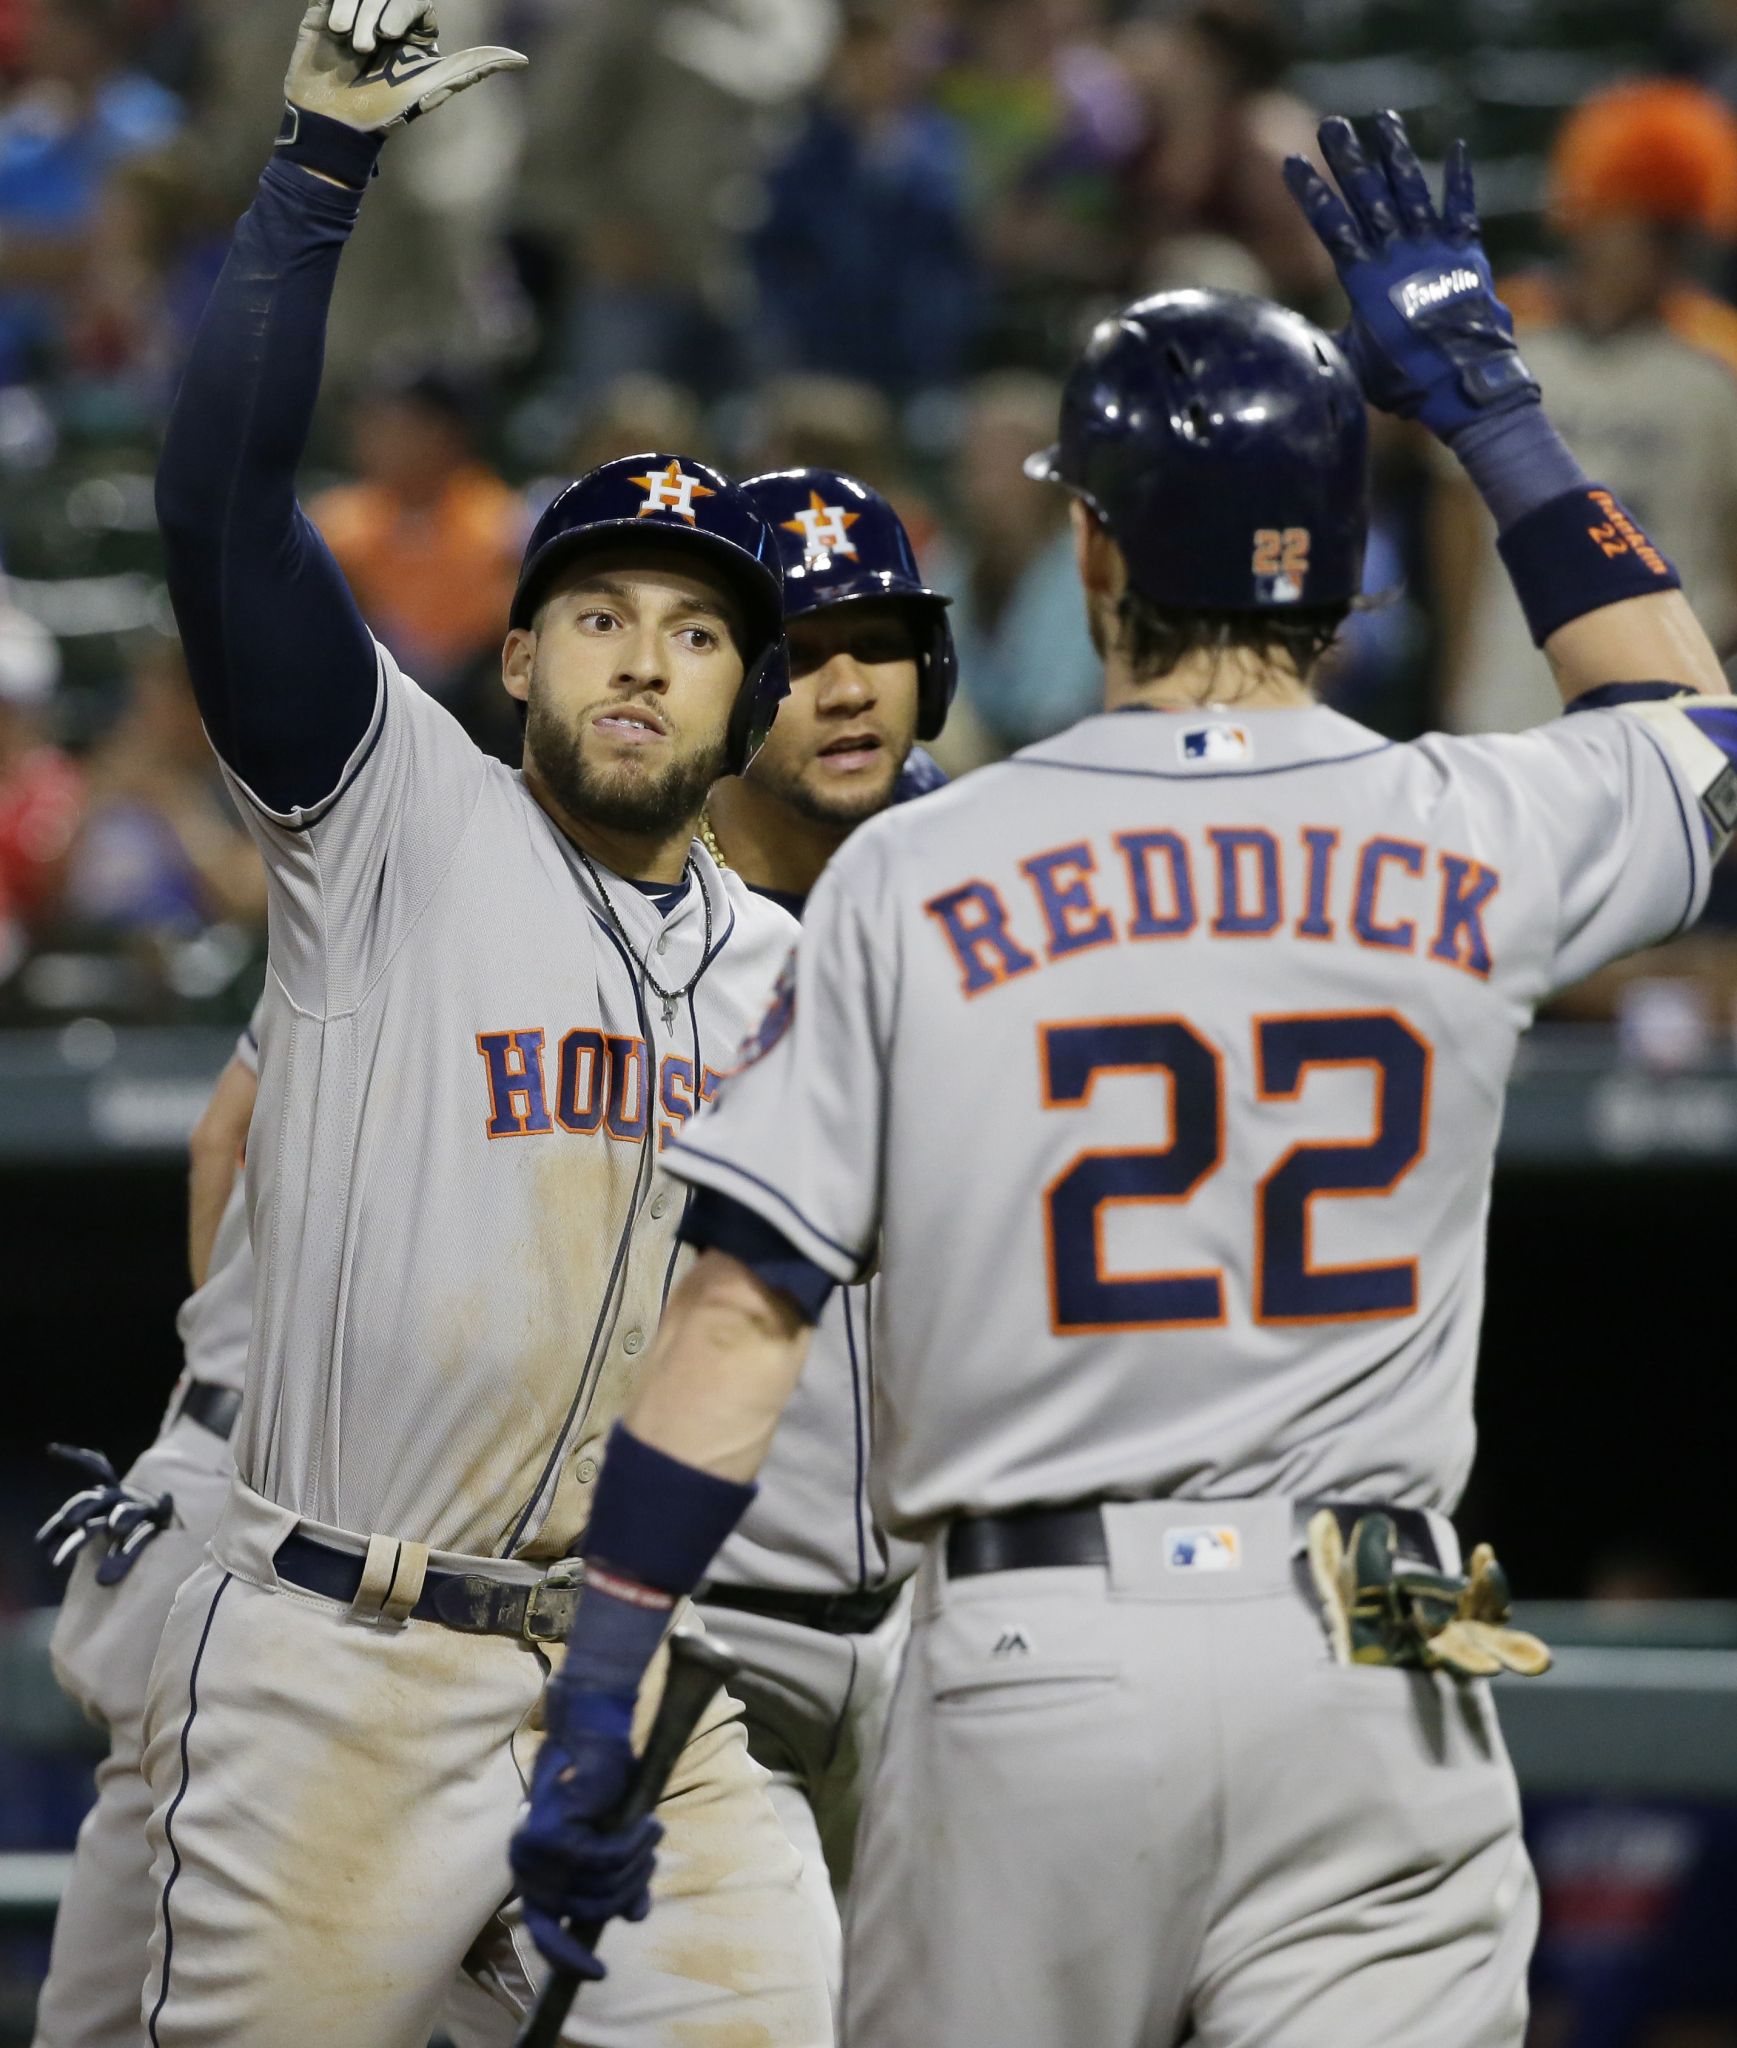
column 369, row 22
column 388, row 79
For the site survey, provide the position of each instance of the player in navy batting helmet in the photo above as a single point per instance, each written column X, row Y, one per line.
column 696, row 519
column 873, row 668
column 1220, row 442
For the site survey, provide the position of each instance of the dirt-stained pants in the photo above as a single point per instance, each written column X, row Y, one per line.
column 332, row 1803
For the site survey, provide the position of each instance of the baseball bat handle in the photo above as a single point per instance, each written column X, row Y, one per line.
column 698, row 1667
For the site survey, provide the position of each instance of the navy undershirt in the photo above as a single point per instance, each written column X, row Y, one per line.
column 664, row 896
column 727, row 1225
column 282, row 665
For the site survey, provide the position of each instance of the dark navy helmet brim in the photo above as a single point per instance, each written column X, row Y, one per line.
column 762, row 609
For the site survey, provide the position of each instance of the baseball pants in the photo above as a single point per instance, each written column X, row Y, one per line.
column 1140, row 1804
column 332, row 1803
column 103, row 1645
column 814, row 1706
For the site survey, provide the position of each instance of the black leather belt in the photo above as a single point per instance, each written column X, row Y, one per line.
column 838, row 1614
column 212, row 1406
column 1033, row 1539
column 470, row 1602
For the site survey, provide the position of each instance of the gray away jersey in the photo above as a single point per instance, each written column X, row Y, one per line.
column 462, row 1234
column 214, row 1321
column 1166, row 1062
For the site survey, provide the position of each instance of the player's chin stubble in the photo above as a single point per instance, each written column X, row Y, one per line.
column 844, row 808
column 623, row 796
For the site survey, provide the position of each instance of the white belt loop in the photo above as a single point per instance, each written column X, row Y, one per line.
column 392, row 1575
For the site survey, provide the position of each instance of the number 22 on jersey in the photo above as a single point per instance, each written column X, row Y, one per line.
column 1288, row 1286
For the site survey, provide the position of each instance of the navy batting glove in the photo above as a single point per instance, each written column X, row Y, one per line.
column 108, row 1511
column 570, row 1866
column 1429, row 338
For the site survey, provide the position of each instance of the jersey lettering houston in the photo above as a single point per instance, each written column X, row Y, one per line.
column 462, row 1233
column 1167, row 1060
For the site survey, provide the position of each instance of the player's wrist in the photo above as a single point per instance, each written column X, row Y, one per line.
column 1516, row 460
column 656, row 1521
column 1577, row 553
column 330, row 149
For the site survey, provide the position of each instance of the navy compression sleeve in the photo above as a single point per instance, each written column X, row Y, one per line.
column 282, row 664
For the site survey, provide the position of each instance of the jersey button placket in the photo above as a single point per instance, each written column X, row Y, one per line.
column 633, row 1343
column 660, row 1202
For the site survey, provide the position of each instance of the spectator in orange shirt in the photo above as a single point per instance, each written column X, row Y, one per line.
column 429, row 536
column 41, row 792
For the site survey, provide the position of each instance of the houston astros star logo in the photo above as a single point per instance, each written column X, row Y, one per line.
column 823, row 528
column 671, row 490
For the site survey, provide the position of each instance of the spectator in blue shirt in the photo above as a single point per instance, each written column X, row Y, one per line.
column 76, row 113
column 863, row 258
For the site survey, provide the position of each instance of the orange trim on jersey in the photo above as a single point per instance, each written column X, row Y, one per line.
column 1060, row 941
column 996, row 931
column 1451, row 957
column 1313, row 836
column 675, row 1078
column 1293, row 1094
column 1384, row 938
column 1137, row 849
column 1215, row 1273
column 516, row 1036
column 1229, row 844
column 630, row 1053
column 587, row 1045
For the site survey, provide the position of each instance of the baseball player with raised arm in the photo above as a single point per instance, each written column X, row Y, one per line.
column 133, row 1542
column 1163, row 1065
column 806, row 1591
column 492, row 997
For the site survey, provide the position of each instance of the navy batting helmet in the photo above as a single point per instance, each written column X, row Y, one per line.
column 842, row 543
column 670, row 501
column 1221, row 439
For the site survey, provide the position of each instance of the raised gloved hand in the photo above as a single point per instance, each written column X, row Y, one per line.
column 374, row 64
column 574, row 1870
column 107, row 1511
column 1428, row 336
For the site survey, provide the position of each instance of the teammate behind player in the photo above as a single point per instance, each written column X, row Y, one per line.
column 806, row 1590
column 1137, row 1785
column 492, row 997
column 136, row 1540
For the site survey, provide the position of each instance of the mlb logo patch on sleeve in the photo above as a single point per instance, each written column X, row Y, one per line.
column 1200, row 744
column 1203, row 1550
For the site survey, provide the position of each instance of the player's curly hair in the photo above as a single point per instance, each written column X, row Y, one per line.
column 1157, row 638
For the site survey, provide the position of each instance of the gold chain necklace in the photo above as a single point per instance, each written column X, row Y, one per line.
column 709, row 840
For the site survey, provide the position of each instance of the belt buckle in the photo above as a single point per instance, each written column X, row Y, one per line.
column 547, row 1620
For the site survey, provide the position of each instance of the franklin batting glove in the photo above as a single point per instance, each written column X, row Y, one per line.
column 355, row 64
column 1428, row 336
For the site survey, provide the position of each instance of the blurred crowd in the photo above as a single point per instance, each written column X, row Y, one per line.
column 867, row 233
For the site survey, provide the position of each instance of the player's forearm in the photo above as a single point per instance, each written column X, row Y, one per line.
column 727, row 1354
column 1640, row 640
column 281, row 663
column 214, row 1154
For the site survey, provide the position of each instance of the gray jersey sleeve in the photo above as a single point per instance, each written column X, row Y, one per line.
column 1604, row 802
column 796, row 1132
column 350, row 875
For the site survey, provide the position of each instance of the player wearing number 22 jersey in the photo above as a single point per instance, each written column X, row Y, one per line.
column 1164, row 1065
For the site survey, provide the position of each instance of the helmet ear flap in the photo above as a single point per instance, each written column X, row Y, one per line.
column 763, row 688
column 937, row 679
